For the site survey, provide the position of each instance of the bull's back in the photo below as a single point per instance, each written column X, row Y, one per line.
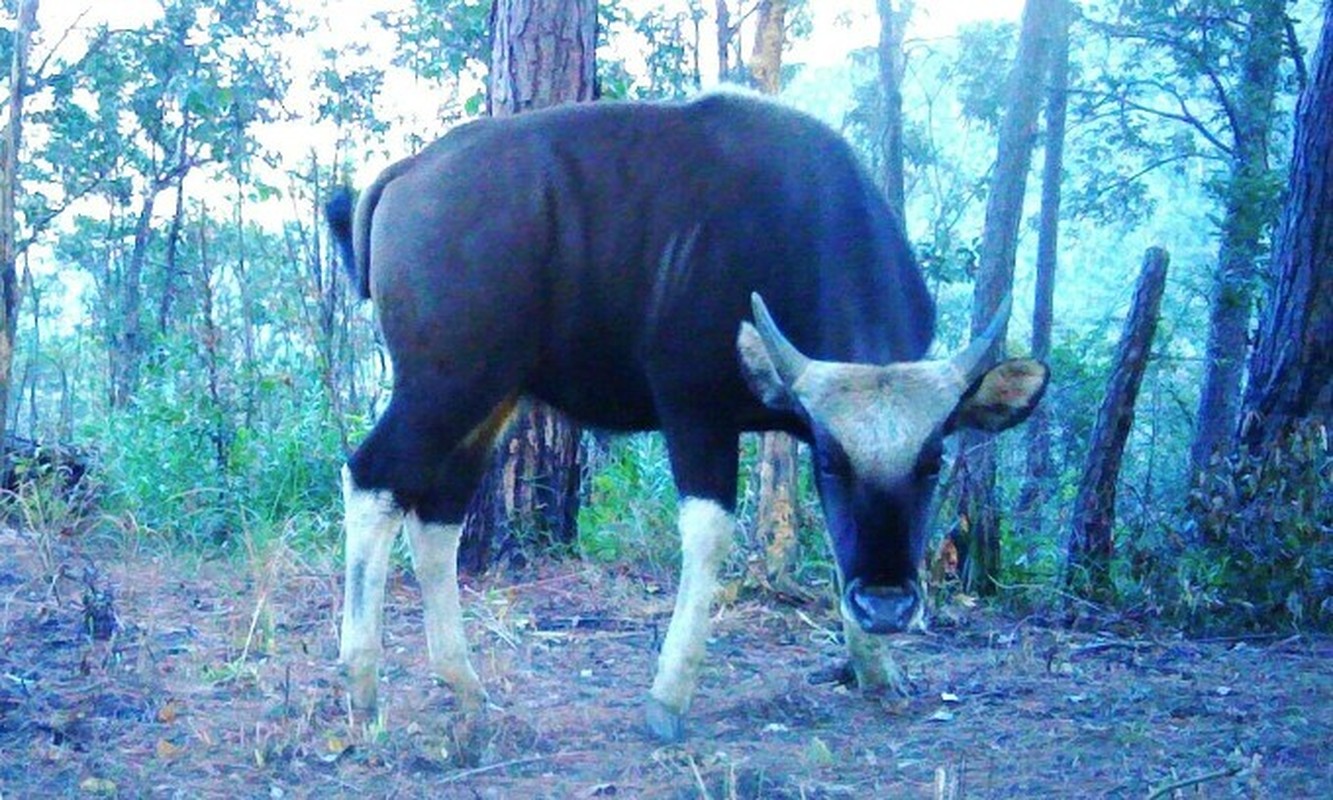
column 631, row 236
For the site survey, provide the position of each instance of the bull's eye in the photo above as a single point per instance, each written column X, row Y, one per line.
column 930, row 461
column 832, row 460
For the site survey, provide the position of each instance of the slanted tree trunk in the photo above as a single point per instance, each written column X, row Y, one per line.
column 892, row 20
column 1248, row 211
column 1091, row 543
column 541, row 55
column 9, row 171
column 1291, row 370
column 979, row 518
column 1036, row 486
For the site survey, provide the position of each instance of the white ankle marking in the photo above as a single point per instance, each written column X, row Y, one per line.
column 371, row 521
column 706, row 531
column 435, row 559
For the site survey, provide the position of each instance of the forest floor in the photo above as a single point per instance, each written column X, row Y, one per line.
column 219, row 679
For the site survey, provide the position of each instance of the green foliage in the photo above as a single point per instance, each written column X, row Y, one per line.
column 666, row 37
column 196, row 474
column 629, row 508
column 1264, row 524
column 983, row 46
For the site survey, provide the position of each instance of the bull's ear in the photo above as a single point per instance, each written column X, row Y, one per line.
column 1001, row 398
column 759, row 372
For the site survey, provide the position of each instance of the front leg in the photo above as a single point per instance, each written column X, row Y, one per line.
column 706, row 531
column 872, row 661
column 371, row 519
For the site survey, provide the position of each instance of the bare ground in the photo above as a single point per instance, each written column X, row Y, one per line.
column 219, row 680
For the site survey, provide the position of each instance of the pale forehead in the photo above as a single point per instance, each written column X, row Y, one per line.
column 881, row 416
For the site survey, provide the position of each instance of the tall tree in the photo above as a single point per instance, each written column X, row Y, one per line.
column 1248, row 210
column 1291, row 369
column 9, row 169
column 769, row 41
column 893, row 18
column 995, row 275
column 775, row 513
column 542, row 54
column 1048, row 235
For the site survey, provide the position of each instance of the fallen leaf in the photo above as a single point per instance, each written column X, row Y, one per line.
column 818, row 752
column 167, row 751
column 167, row 714
column 98, row 786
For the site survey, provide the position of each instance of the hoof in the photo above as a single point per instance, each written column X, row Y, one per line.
column 363, row 688
column 472, row 733
column 667, row 726
column 842, row 674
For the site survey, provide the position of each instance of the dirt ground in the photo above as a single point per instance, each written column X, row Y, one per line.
column 149, row 676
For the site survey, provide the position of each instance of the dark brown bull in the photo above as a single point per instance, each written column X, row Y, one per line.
column 608, row 259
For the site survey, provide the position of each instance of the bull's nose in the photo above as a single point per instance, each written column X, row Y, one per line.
column 883, row 609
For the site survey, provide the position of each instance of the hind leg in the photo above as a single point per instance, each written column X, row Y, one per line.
column 435, row 560
column 423, row 469
column 433, row 532
column 371, row 521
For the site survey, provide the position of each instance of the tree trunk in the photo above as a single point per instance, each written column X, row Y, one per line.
column 1036, row 487
column 979, row 520
column 892, row 21
column 128, row 343
column 542, row 54
column 9, row 300
column 724, row 33
column 1291, row 370
column 775, row 508
column 766, row 61
column 1090, row 542
column 172, row 269
column 1247, row 213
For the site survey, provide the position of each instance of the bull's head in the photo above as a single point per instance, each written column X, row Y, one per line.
column 877, row 435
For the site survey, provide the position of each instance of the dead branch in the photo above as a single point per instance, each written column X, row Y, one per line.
column 1188, row 782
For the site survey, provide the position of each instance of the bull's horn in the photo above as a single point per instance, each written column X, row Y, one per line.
column 787, row 360
column 969, row 362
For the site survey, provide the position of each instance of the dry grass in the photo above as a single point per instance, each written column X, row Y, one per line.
column 220, row 680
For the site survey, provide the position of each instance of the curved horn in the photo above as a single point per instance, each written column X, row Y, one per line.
column 970, row 362
column 787, row 360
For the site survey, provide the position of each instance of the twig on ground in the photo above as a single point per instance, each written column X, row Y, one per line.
column 823, row 634
column 699, row 780
column 1238, row 638
column 541, row 582
column 1198, row 779
column 1112, row 644
column 1100, row 609
column 462, row 775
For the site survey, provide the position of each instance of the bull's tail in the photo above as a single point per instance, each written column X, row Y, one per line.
column 349, row 220
column 339, row 212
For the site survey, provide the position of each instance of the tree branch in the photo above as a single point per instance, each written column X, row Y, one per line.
column 1184, row 115
column 1129, row 179
column 1297, row 55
